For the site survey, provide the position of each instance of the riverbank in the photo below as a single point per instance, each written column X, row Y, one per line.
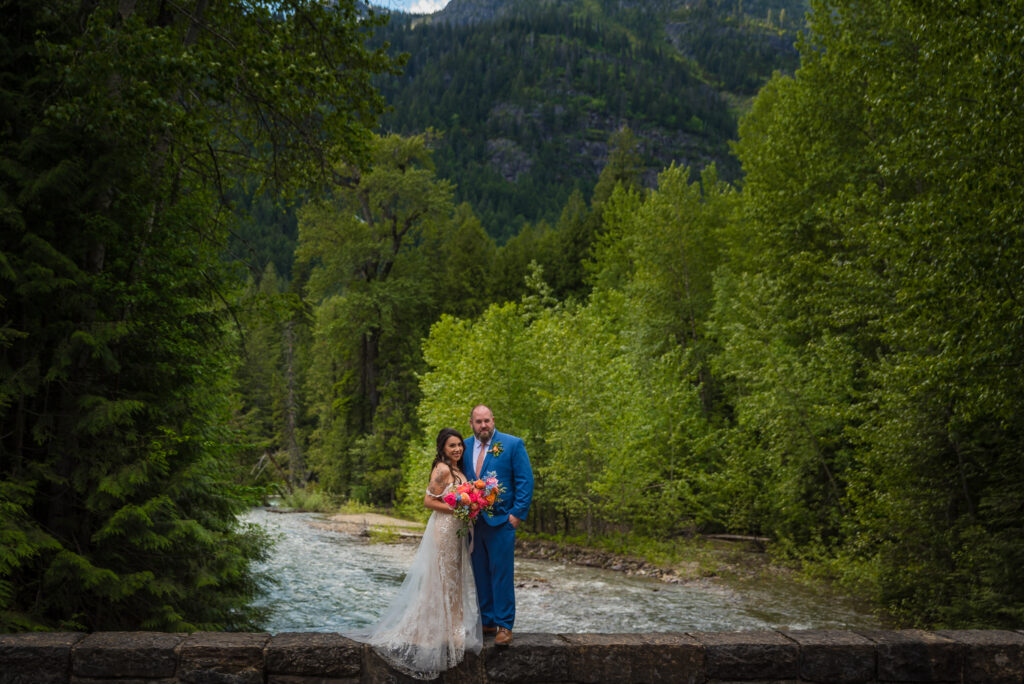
column 700, row 559
column 541, row 549
column 742, row 563
column 386, row 528
column 370, row 525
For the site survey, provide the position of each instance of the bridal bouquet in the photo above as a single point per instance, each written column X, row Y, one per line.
column 470, row 498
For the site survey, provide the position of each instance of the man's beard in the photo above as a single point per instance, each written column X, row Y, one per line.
column 484, row 434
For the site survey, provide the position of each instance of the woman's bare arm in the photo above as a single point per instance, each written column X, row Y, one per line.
column 439, row 481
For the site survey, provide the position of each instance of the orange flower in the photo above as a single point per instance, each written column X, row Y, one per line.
column 479, row 484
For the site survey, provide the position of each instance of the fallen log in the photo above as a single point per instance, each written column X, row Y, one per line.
column 738, row 537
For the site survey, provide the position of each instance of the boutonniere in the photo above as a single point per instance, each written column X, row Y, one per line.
column 495, row 450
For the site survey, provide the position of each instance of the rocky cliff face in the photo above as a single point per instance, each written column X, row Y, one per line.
column 461, row 12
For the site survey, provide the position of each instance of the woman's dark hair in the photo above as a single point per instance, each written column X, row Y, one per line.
column 442, row 439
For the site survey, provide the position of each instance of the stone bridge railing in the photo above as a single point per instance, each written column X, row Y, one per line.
column 829, row 657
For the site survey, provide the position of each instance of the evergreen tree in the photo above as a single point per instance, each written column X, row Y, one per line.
column 125, row 124
column 375, row 255
column 274, row 332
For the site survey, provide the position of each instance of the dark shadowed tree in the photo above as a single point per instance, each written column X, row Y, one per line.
column 125, row 125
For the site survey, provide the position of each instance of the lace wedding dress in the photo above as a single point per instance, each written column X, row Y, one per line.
column 435, row 618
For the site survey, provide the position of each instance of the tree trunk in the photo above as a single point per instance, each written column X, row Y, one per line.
column 296, row 463
column 371, row 397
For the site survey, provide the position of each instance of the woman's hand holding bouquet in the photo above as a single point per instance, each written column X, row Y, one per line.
column 470, row 498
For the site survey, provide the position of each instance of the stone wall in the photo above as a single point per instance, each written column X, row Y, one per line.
column 830, row 657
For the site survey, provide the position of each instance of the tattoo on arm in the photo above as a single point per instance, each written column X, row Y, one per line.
column 439, row 479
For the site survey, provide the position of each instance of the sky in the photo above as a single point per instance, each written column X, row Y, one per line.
column 414, row 6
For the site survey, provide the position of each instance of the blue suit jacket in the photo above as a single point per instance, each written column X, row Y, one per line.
column 512, row 468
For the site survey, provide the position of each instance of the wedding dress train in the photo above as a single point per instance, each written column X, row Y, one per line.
column 435, row 618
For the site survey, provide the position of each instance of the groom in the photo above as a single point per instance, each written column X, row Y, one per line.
column 495, row 535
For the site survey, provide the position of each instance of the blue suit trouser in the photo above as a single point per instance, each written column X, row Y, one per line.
column 493, row 570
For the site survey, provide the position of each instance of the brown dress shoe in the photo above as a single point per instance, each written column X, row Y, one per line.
column 504, row 637
column 490, row 630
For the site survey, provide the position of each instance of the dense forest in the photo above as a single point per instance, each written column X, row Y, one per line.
column 127, row 127
column 527, row 96
column 820, row 344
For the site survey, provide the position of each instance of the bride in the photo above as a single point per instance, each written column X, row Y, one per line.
column 435, row 618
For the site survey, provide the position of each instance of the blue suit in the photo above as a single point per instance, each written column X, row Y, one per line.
column 494, row 538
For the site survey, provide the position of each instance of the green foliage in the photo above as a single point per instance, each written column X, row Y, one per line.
column 351, row 507
column 568, row 378
column 529, row 100
column 266, row 234
column 273, row 328
column 890, row 252
column 125, row 126
column 828, row 358
column 624, row 166
column 563, row 251
column 309, row 499
column 383, row 535
column 466, row 358
column 739, row 43
column 381, row 269
column 542, row 105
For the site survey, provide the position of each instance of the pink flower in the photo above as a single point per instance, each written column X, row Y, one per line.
column 450, row 499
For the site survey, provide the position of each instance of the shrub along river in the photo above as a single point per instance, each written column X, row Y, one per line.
column 328, row 581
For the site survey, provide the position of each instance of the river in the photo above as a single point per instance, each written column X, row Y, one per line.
column 332, row 582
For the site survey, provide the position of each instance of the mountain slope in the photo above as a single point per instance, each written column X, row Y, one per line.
column 527, row 93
